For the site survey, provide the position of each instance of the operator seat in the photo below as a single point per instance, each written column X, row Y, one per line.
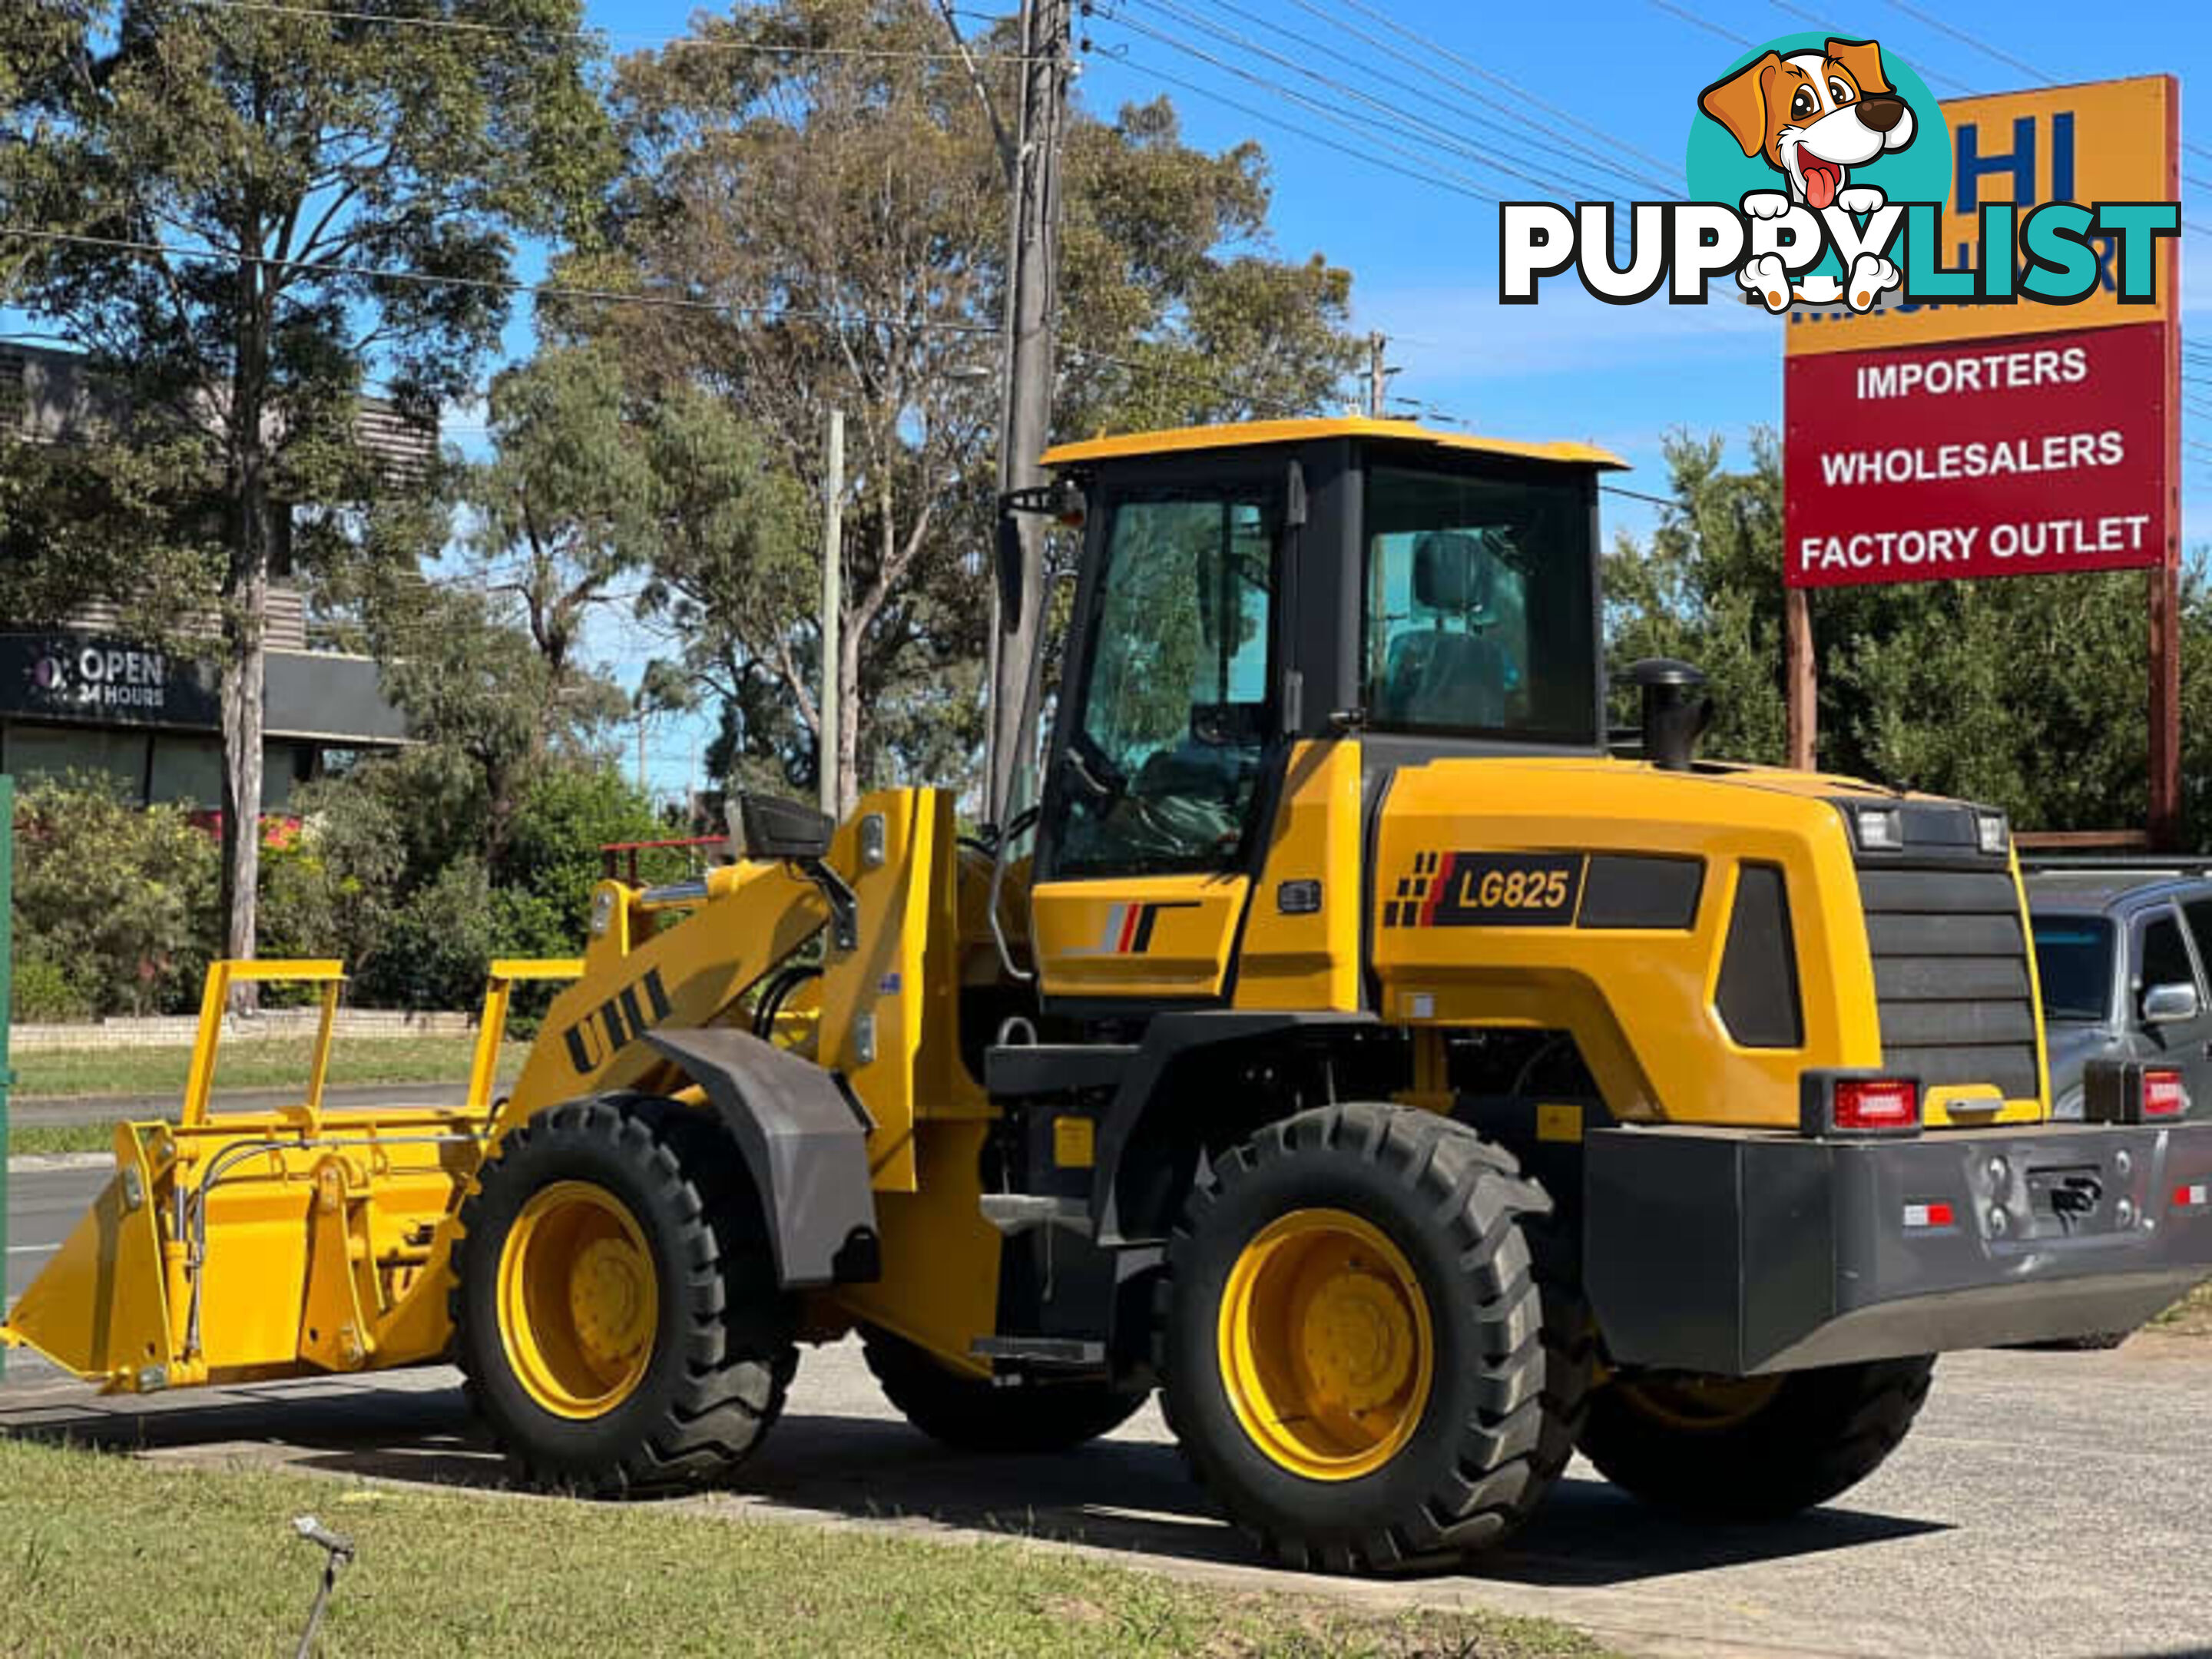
column 1447, row 674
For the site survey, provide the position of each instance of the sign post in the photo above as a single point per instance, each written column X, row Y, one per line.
column 1950, row 442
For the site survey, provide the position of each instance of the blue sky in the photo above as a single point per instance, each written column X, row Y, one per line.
column 1425, row 258
column 1613, row 76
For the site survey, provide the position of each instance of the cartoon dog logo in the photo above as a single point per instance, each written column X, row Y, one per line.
column 1814, row 117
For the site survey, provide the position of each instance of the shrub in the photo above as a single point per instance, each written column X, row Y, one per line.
column 120, row 903
column 42, row 990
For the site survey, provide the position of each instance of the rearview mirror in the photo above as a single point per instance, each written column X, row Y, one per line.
column 2169, row 1005
column 1010, row 573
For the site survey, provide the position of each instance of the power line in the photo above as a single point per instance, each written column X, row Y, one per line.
column 1696, row 21
column 1399, row 116
column 534, row 290
column 1807, row 14
column 1306, row 133
column 1518, row 91
column 1439, row 174
column 1520, row 128
column 1186, row 377
column 1960, row 34
column 685, row 43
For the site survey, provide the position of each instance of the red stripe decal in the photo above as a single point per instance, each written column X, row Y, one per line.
column 1438, row 884
column 1129, row 917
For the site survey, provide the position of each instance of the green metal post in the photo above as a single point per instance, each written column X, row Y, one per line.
column 7, row 1010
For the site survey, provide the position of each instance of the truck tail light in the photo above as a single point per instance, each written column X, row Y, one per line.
column 2163, row 1095
column 1876, row 1105
column 1852, row 1104
column 2196, row 1196
column 2129, row 1092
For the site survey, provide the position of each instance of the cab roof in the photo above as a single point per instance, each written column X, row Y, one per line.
column 1248, row 434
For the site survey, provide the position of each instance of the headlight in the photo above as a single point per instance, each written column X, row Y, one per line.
column 1991, row 830
column 1882, row 829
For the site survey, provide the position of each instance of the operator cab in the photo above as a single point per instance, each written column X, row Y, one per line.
column 1246, row 590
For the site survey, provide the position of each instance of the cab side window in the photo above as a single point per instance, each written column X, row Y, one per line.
column 2165, row 957
column 1163, row 763
column 2198, row 913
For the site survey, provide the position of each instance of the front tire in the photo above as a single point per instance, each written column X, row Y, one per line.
column 972, row 1415
column 1753, row 1448
column 616, row 1318
column 1361, row 1358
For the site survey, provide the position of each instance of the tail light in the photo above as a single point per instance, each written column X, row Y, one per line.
column 2163, row 1095
column 2128, row 1091
column 1876, row 1105
column 1857, row 1103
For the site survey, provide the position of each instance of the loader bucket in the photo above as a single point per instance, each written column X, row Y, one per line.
column 100, row 1307
column 237, row 1246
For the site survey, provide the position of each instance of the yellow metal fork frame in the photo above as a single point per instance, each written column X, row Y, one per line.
column 491, row 1028
column 199, row 1082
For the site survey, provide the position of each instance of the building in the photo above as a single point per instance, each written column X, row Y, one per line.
column 81, row 698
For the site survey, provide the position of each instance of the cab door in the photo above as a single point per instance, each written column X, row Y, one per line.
column 1166, row 756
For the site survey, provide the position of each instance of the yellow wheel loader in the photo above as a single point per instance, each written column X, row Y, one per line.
column 1348, row 1047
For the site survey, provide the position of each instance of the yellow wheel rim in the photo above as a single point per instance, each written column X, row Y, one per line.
column 1696, row 1404
column 579, row 1301
column 1325, row 1345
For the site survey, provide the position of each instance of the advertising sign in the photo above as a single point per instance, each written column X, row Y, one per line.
column 67, row 676
column 2034, row 455
column 2110, row 141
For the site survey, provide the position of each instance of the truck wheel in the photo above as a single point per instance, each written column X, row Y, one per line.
column 1360, row 1357
column 1752, row 1449
column 974, row 1415
column 616, row 1318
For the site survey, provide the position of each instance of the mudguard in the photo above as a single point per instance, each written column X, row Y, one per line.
column 804, row 1140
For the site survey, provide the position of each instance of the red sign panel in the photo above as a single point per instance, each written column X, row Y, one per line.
column 2034, row 455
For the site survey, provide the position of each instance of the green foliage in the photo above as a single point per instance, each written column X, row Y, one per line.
column 551, row 859
column 226, row 192
column 2030, row 694
column 40, row 990
column 114, row 907
column 394, row 872
column 437, row 943
column 872, row 187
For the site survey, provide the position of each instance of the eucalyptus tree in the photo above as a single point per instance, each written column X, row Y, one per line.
column 248, row 216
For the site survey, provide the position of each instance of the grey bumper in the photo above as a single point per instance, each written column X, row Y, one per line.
column 1713, row 1250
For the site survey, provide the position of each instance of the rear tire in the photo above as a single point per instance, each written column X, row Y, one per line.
column 972, row 1415
column 616, row 1318
column 1757, row 1449
column 1363, row 1357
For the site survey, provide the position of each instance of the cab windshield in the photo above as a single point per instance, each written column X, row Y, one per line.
column 2074, row 963
column 1480, row 620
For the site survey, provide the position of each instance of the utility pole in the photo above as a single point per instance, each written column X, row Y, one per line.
column 1378, row 375
column 1032, row 304
column 833, row 602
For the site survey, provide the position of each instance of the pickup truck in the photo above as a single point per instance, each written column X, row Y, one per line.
column 2122, row 955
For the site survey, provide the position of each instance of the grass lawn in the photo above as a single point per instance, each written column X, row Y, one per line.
column 2191, row 1316
column 269, row 1062
column 103, row 1553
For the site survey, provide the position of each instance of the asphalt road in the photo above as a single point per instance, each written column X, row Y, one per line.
column 110, row 1109
column 2055, row 1505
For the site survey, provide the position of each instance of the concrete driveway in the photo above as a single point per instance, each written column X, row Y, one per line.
column 2046, row 1504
